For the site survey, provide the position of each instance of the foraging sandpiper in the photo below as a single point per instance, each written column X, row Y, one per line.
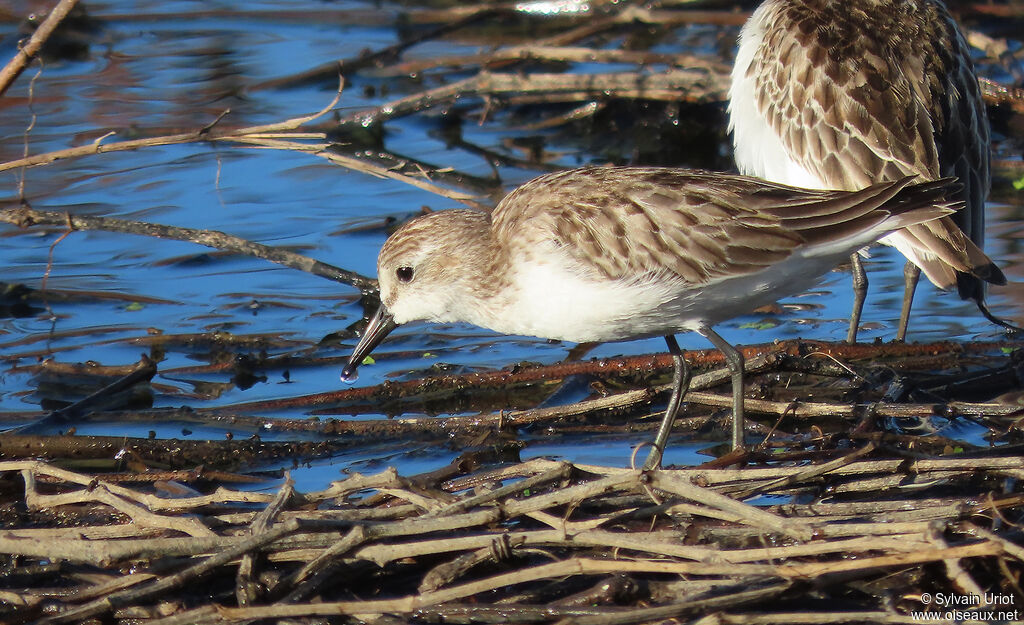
column 620, row 253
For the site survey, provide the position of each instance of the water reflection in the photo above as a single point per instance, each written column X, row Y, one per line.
column 151, row 68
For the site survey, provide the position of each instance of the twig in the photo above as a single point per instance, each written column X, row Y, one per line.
column 142, row 372
column 210, row 132
column 348, row 67
column 996, row 93
column 15, row 66
column 573, row 566
column 633, row 365
column 25, row 217
column 247, row 588
column 794, row 528
column 135, row 595
column 560, row 472
column 809, row 473
column 672, row 85
column 504, row 56
column 742, row 596
column 498, row 379
column 35, row 501
column 812, row 410
column 306, row 579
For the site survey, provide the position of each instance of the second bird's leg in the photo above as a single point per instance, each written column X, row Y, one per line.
column 860, row 292
column 735, row 360
column 911, row 274
column 680, row 384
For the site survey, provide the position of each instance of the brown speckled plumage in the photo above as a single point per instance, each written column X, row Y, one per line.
column 626, row 223
column 860, row 91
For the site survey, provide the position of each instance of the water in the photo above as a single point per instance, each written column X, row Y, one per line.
column 161, row 68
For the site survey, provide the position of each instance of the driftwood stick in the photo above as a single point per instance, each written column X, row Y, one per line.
column 593, row 26
column 742, row 596
column 725, row 476
column 627, row 365
column 572, row 494
column 101, row 494
column 450, row 570
column 725, row 596
column 809, row 473
column 115, row 584
column 578, row 54
column 142, row 372
column 155, row 589
column 307, row 579
column 247, row 589
column 207, row 615
column 88, row 532
column 98, row 147
column 585, row 566
column 25, row 217
column 499, row 379
column 561, row 472
column 794, row 528
column 814, row 410
column 323, row 150
column 149, row 500
column 573, row 566
column 811, row 570
column 997, row 93
column 673, row 85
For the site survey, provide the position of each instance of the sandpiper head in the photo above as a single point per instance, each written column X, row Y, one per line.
column 423, row 271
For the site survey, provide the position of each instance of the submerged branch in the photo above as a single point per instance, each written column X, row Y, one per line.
column 142, row 372
column 625, row 366
column 693, row 85
column 25, row 217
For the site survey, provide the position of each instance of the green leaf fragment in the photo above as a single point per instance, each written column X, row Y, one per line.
column 767, row 324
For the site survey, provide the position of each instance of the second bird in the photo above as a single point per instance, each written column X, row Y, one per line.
column 842, row 94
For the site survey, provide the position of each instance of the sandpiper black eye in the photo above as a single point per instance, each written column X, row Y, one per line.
column 404, row 274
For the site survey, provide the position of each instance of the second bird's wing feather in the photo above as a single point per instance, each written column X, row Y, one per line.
column 858, row 95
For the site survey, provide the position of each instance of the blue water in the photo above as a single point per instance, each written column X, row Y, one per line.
column 166, row 67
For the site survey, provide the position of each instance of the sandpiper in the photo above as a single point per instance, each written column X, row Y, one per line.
column 619, row 253
column 842, row 94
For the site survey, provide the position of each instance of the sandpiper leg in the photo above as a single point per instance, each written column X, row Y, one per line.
column 680, row 384
column 911, row 274
column 860, row 292
column 735, row 360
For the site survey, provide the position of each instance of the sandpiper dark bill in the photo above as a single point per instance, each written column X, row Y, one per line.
column 620, row 253
column 842, row 94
